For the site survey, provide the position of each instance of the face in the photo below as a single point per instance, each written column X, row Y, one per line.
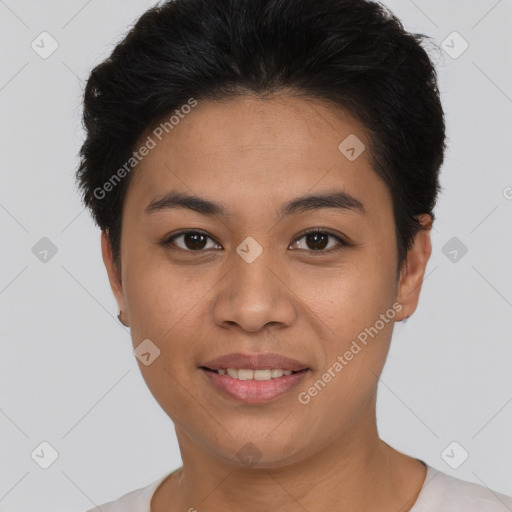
column 242, row 275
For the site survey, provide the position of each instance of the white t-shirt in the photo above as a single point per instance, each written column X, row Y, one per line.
column 440, row 493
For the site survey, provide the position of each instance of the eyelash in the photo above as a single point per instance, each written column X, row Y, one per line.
column 342, row 243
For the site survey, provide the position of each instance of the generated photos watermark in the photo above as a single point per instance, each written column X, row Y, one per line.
column 305, row 397
column 149, row 144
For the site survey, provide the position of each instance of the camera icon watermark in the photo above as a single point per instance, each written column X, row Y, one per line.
column 455, row 45
column 249, row 454
column 44, row 455
column 454, row 455
column 352, row 147
column 249, row 249
column 44, row 250
column 146, row 352
column 454, row 250
column 44, row 45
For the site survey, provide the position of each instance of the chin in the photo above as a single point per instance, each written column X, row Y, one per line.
column 260, row 452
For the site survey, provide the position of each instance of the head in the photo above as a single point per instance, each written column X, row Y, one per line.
column 219, row 134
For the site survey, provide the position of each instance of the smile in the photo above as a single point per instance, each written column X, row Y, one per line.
column 253, row 386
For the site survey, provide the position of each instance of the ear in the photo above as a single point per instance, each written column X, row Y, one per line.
column 112, row 271
column 413, row 269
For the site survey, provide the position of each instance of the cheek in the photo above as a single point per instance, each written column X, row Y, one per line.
column 163, row 312
column 354, row 295
column 166, row 308
column 159, row 296
column 358, row 305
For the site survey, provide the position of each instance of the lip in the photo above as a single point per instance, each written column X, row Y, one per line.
column 253, row 391
column 268, row 360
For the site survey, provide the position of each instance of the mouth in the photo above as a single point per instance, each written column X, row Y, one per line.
column 252, row 373
column 253, row 386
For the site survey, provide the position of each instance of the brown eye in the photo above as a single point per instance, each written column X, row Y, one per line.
column 318, row 240
column 192, row 241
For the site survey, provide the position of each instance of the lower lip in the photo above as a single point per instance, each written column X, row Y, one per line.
column 254, row 391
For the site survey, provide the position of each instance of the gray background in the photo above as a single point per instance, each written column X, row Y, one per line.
column 67, row 372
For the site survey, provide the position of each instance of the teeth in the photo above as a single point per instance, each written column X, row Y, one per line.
column 232, row 373
column 261, row 374
column 248, row 374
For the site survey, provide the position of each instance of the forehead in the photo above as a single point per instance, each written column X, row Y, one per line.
column 247, row 148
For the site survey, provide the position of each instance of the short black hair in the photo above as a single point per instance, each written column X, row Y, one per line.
column 354, row 53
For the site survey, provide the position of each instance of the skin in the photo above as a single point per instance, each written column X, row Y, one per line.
column 252, row 155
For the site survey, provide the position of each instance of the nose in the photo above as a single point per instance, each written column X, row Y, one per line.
column 254, row 295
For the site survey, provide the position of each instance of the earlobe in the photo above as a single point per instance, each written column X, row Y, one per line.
column 112, row 270
column 413, row 271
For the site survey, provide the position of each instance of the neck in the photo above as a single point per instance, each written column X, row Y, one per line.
column 356, row 471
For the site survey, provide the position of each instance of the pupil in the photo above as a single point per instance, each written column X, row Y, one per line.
column 315, row 241
column 314, row 237
column 194, row 240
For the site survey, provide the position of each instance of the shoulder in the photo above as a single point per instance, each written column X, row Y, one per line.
column 445, row 493
column 135, row 501
column 126, row 503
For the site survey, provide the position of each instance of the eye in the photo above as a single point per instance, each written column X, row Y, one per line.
column 318, row 240
column 191, row 241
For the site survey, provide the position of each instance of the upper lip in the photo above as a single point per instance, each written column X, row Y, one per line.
column 263, row 361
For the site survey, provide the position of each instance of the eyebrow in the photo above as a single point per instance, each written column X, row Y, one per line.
column 337, row 199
